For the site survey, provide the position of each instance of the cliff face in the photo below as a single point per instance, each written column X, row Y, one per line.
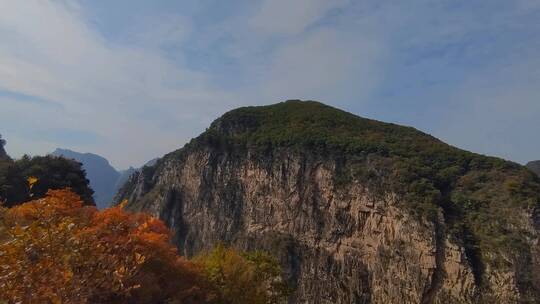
column 341, row 220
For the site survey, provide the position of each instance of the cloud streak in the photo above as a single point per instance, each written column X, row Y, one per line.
column 104, row 88
column 452, row 68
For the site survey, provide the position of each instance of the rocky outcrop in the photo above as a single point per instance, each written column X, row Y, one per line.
column 351, row 241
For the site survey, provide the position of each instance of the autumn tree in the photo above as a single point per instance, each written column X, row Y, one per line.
column 57, row 250
column 244, row 277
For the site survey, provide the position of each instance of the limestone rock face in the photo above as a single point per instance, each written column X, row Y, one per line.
column 339, row 242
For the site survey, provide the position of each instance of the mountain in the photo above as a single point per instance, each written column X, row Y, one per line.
column 123, row 178
column 126, row 174
column 534, row 166
column 357, row 210
column 103, row 177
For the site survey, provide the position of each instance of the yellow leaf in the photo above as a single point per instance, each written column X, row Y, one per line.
column 123, row 204
column 68, row 274
column 55, row 300
column 31, row 181
column 139, row 258
column 121, row 270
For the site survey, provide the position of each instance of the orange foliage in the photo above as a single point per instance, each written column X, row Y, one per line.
column 55, row 250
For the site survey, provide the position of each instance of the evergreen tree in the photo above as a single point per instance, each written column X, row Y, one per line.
column 3, row 154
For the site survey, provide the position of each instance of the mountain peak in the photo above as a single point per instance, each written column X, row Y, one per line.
column 320, row 128
column 78, row 155
column 296, row 122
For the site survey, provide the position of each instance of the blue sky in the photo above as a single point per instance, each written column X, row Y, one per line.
column 132, row 79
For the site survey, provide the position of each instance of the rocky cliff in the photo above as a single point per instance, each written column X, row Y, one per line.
column 358, row 211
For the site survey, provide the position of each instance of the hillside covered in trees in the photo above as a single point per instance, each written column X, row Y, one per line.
column 50, row 172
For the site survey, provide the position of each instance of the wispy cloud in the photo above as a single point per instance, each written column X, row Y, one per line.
column 141, row 88
column 282, row 17
column 49, row 52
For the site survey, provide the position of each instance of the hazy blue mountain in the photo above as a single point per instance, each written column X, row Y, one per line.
column 534, row 166
column 123, row 177
column 105, row 180
column 103, row 177
column 125, row 174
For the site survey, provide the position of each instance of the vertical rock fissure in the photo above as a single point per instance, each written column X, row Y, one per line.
column 438, row 275
column 473, row 254
column 460, row 231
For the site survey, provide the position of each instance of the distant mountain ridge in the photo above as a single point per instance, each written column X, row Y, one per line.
column 105, row 180
column 101, row 174
column 534, row 166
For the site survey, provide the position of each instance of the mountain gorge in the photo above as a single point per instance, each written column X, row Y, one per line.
column 358, row 211
column 104, row 179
